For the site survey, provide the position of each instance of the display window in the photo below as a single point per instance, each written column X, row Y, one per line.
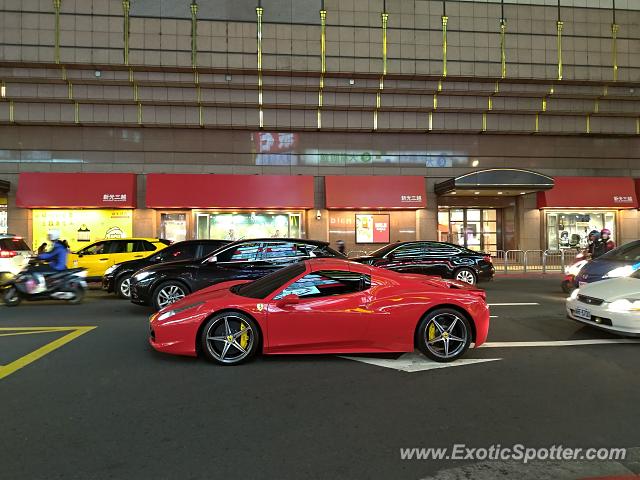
column 570, row 229
column 4, row 217
column 365, row 231
column 174, row 226
column 240, row 225
column 82, row 226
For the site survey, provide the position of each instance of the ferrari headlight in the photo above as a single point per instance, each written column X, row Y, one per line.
column 620, row 272
column 624, row 305
column 574, row 294
column 175, row 311
column 110, row 269
column 138, row 277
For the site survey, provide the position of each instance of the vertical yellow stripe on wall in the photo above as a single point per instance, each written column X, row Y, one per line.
column 126, row 6
column 194, row 34
column 503, row 46
column 56, row 49
column 614, row 39
column 444, row 45
column 385, row 19
column 323, row 62
column 559, row 25
column 259, row 11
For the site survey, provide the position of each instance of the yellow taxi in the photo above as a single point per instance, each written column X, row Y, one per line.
column 100, row 255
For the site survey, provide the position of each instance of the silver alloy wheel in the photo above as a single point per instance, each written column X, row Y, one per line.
column 466, row 276
column 125, row 287
column 450, row 335
column 224, row 339
column 170, row 294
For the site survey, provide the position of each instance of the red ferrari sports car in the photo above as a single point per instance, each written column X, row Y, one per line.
column 324, row 306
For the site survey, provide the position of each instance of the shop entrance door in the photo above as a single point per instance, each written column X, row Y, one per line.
column 473, row 228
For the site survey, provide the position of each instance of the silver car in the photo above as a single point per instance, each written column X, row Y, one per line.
column 14, row 254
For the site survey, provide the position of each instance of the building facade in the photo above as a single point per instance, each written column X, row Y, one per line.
column 495, row 125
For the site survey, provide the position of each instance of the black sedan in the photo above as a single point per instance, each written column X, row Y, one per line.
column 445, row 260
column 118, row 277
column 161, row 285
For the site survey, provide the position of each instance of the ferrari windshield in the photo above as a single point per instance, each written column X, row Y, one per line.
column 266, row 285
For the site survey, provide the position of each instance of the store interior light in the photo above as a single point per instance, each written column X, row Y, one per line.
column 499, row 193
column 228, row 77
column 476, row 193
column 352, row 81
column 454, row 193
column 475, row 163
column 522, row 193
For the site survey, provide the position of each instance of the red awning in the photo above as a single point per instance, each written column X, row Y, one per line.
column 376, row 191
column 590, row 192
column 76, row 190
column 229, row 191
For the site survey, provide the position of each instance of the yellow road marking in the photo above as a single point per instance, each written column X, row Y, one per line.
column 74, row 332
column 29, row 333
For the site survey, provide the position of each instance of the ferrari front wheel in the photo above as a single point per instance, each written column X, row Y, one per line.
column 230, row 338
column 444, row 335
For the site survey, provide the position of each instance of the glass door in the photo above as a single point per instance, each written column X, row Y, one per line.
column 474, row 228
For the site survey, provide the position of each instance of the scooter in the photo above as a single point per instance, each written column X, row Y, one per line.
column 571, row 272
column 68, row 285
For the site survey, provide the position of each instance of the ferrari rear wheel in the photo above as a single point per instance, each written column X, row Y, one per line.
column 230, row 338
column 444, row 335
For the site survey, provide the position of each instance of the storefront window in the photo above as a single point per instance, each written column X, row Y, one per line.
column 236, row 226
column 173, row 226
column 4, row 224
column 570, row 229
column 473, row 228
column 81, row 227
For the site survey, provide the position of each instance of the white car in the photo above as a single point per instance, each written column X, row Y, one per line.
column 611, row 305
column 14, row 254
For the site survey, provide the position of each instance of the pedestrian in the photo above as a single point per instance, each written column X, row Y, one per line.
column 341, row 247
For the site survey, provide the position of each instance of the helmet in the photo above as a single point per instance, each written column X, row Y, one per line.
column 594, row 233
column 53, row 235
column 605, row 231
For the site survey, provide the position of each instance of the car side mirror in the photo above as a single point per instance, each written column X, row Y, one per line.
column 390, row 256
column 80, row 254
column 291, row 299
column 212, row 259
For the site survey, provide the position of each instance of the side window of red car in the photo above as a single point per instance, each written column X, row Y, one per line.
column 327, row 283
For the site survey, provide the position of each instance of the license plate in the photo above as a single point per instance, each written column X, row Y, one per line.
column 582, row 313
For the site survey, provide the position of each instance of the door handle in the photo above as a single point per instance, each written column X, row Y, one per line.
column 137, row 256
column 104, row 259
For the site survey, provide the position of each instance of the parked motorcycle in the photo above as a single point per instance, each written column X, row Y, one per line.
column 67, row 285
column 571, row 272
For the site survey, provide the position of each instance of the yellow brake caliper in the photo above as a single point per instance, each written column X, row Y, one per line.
column 432, row 332
column 244, row 338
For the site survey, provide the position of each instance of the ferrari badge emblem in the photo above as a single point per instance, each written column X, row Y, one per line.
column 260, row 307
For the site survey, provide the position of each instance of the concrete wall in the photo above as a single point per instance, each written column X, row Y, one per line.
column 92, row 32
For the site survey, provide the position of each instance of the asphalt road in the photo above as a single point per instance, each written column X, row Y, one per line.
column 105, row 406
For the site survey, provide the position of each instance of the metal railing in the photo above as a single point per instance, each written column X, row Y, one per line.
column 527, row 261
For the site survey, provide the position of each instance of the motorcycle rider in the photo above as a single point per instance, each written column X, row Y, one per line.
column 594, row 236
column 56, row 261
column 604, row 244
